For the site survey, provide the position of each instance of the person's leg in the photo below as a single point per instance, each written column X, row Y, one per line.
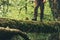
column 35, row 12
column 42, row 11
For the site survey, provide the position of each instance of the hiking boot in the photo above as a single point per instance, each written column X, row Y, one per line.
column 34, row 19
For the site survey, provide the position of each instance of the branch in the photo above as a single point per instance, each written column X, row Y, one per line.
column 14, row 31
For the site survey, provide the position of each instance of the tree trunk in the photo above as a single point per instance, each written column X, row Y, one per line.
column 26, row 26
column 58, row 10
column 55, row 8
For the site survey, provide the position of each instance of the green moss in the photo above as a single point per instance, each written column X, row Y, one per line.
column 30, row 26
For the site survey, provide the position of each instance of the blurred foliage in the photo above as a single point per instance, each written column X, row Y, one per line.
column 16, row 9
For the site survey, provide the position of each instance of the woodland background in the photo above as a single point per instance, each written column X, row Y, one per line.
column 22, row 9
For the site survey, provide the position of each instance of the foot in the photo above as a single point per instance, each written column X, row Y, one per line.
column 41, row 20
column 34, row 19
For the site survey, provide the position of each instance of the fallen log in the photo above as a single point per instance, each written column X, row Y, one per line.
column 27, row 26
column 31, row 26
column 8, row 33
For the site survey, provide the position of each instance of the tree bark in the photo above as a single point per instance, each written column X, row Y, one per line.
column 8, row 33
column 13, row 27
column 55, row 8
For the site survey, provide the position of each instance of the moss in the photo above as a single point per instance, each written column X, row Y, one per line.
column 30, row 26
